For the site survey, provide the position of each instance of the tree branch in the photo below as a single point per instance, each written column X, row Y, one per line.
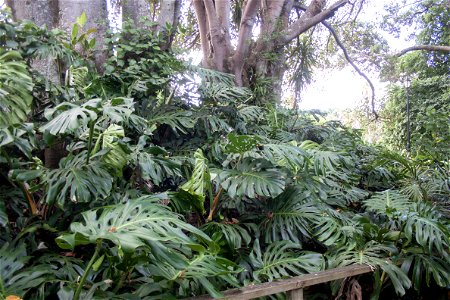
column 311, row 18
column 243, row 44
column 424, row 47
column 217, row 38
column 200, row 13
column 350, row 61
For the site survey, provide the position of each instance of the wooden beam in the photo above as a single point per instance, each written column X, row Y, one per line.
column 295, row 295
column 294, row 283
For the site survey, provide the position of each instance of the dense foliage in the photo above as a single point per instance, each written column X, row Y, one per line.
column 155, row 180
column 421, row 78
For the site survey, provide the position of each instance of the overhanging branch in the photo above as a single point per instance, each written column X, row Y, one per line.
column 424, row 47
column 350, row 61
column 305, row 22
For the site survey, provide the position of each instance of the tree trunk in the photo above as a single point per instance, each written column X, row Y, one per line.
column 169, row 14
column 260, row 61
column 97, row 17
column 136, row 10
column 42, row 13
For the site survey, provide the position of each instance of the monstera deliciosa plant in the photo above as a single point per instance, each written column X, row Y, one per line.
column 166, row 187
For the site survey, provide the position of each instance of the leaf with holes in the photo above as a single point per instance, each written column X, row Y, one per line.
column 131, row 225
column 76, row 181
column 68, row 117
column 15, row 89
column 200, row 181
column 281, row 260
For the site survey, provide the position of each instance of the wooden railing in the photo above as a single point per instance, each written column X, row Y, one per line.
column 292, row 286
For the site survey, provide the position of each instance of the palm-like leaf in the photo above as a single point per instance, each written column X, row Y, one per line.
column 290, row 216
column 250, row 114
column 201, row 269
column 423, row 225
column 179, row 121
column 131, row 225
column 116, row 158
column 68, row 117
column 374, row 254
column 14, row 278
column 285, row 155
column 235, row 235
column 157, row 168
column 248, row 180
column 336, row 229
column 241, row 143
column 387, row 202
column 419, row 263
column 77, row 181
column 20, row 136
column 281, row 260
column 15, row 89
column 200, row 181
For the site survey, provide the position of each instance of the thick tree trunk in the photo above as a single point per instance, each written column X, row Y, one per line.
column 42, row 13
column 169, row 14
column 264, row 58
column 137, row 11
column 97, row 17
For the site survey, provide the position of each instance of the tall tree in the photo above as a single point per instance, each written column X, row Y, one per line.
column 255, row 56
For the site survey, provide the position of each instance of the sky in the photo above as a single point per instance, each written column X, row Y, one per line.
column 344, row 89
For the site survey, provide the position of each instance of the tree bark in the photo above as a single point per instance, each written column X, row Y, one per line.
column 135, row 10
column 97, row 17
column 42, row 13
column 170, row 12
column 244, row 41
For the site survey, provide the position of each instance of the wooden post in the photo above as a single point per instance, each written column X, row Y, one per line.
column 295, row 294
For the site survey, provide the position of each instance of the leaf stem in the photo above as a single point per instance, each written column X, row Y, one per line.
column 214, row 205
column 91, row 135
column 86, row 271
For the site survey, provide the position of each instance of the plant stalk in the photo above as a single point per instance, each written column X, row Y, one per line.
column 91, row 135
column 76, row 296
column 214, row 205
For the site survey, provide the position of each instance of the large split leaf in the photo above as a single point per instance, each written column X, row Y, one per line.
column 110, row 139
column 77, row 181
column 280, row 260
column 156, row 165
column 387, row 202
column 241, row 143
column 68, row 117
column 15, row 89
column 209, row 271
column 131, row 225
column 200, row 181
column 235, row 235
column 423, row 226
column 285, row 155
column 251, row 180
column 14, row 278
column 21, row 136
column 374, row 254
column 179, row 121
column 290, row 216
